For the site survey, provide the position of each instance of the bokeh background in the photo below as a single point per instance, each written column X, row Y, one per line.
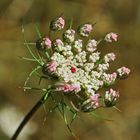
column 121, row 16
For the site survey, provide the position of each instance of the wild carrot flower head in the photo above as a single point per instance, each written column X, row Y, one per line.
column 75, row 67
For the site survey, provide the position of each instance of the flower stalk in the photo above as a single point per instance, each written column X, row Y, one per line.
column 29, row 115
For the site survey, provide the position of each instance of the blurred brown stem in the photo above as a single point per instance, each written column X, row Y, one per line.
column 28, row 117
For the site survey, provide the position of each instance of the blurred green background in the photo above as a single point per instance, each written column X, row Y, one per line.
column 121, row 16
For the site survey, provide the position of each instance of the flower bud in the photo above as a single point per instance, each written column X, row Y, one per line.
column 94, row 57
column 76, row 87
column 57, row 24
column 91, row 45
column 78, row 46
column 68, row 88
column 123, row 72
column 103, row 67
column 110, row 37
column 110, row 98
column 69, row 35
column 49, row 68
column 58, row 45
column 48, row 43
column 109, row 57
column 85, row 29
column 43, row 44
column 109, row 79
column 91, row 104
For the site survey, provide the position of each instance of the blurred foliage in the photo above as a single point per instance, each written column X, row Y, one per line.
column 121, row 16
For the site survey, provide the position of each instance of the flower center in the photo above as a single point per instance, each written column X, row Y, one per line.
column 73, row 69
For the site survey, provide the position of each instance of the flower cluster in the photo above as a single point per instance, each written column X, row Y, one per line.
column 79, row 68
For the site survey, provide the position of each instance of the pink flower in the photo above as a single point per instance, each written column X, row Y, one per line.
column 91, row 45
column 76, row 87
column 57, row 24
column 52, row 66
column 110, row 37
column 85, row 29
column 88, row 27
column 111, row 97
column 114, row 75
column 58, row 43
column 67, row 88
column 95, row 100
column 123, row 72
column 69, row 35
column 61, row 21
column 109, row 79
column 48, row 42
column 109, row 57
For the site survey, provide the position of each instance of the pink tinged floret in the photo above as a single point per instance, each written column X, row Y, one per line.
column 113, row 93
column 76, row 87
column 109, row 78
column 48, row 42
column 95, row 100
column 126, row 70
column 85, row 30
column 91, row 45
column 52, row 66
column 109, row 57
column 95, row 97
column 57, row 24
column 114, row 37
column 110, row 37
column 111, row 97
column 61, row 21
column 67, row 88
column 88, row 27
column 58, row 41
column 114, row 75
column 123, row 71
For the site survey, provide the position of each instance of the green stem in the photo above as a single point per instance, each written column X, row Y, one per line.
column 28, row 117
